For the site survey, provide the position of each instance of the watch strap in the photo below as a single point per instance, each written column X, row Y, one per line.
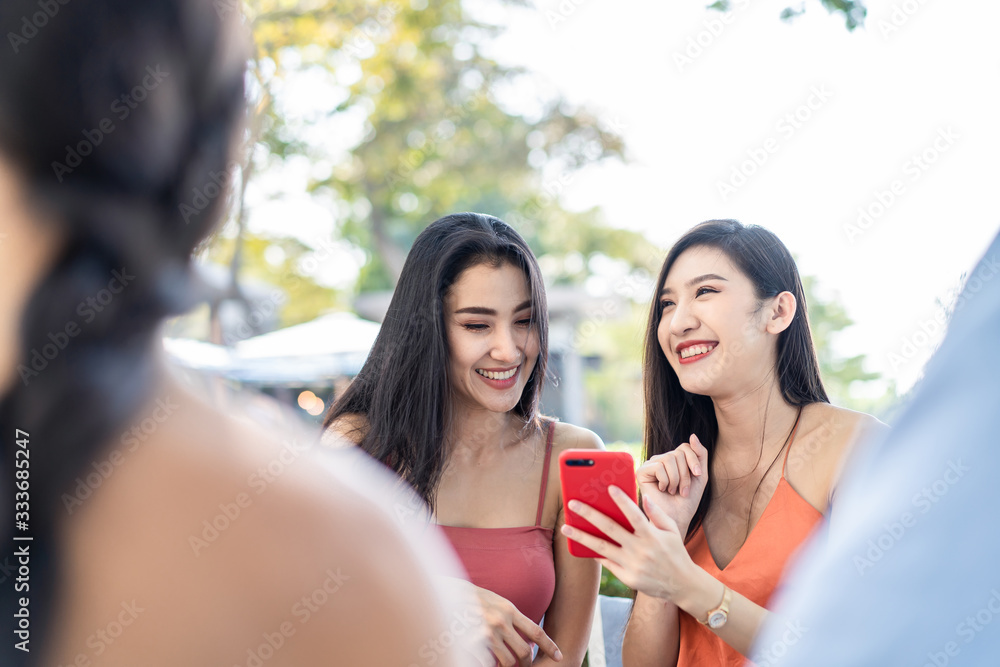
column 723, row 608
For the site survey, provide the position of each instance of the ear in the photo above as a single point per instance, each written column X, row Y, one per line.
column 783, row 308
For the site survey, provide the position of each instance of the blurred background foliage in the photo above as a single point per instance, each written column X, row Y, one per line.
column 403, row 117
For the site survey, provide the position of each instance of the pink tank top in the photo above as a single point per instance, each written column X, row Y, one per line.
column 515, row 563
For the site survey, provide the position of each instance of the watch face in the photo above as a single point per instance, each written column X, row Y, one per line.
column 717, row 620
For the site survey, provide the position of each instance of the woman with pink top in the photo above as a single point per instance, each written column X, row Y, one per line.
column 448, row 399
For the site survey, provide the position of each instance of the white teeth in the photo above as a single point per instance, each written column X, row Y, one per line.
column 695, row 349
column 506, row 375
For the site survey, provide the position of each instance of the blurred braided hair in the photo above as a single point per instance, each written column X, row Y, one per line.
column 118, row 206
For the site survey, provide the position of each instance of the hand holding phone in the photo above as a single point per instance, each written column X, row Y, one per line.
column 585, row 475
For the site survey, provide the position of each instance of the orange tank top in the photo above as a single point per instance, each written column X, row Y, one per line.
column 754, row 572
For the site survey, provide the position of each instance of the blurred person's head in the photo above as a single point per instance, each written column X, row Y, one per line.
column 728, row 317
column 113, row 115
column 467, row 327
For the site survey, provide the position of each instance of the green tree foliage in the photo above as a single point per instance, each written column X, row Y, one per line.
column 826, row 319
column 853, row 11
column 418, row 121
column 442, row 128
column 277, row 262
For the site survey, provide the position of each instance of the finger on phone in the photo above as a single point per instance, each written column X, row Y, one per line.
column 659, row 518
column 629, row 509
column 600, row 521
column 596, row 544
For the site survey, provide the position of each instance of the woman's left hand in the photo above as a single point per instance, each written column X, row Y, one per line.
column 651, row 560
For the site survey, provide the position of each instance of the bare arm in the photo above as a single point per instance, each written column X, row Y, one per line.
column 211, row 563
column 653, row 560
column 652, row 636
column 571, row 612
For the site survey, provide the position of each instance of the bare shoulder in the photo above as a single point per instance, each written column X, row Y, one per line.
column 250, row 527
column 568, row 436
column 826, row 436
column 836, row 427
column 347, row 430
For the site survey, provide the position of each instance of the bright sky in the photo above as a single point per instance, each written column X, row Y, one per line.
column 791, row 126
column 806, row 123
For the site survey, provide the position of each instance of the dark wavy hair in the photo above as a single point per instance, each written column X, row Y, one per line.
column 115, row 113
column 403, row 390
column 673, row 414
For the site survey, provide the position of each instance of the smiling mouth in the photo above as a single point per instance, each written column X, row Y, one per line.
column 498, row 376
column 695, row 352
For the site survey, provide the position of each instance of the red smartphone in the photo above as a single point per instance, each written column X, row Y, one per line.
column 585, row 475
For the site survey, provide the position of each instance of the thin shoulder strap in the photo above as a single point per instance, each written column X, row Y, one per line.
column 545, row 473
column 791, row 439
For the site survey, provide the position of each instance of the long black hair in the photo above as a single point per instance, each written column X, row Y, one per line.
column 403, row 390
column 672, row 414
column 119, row 115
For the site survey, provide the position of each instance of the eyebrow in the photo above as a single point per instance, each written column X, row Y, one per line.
column 480, row 310
column 693, row 281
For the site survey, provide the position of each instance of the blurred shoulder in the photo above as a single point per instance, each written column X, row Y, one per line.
column 254, row 518
column 569, row 436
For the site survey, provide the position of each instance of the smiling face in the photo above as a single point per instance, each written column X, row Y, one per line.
column 492, row 345
column 718, row 337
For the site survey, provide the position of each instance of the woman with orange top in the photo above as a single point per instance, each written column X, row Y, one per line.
column 743, row 449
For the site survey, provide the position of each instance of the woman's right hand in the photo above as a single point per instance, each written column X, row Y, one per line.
column 500, row 622
column 675, row 481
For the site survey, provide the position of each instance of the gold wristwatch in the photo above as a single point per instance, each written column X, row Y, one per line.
column 717, row 617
